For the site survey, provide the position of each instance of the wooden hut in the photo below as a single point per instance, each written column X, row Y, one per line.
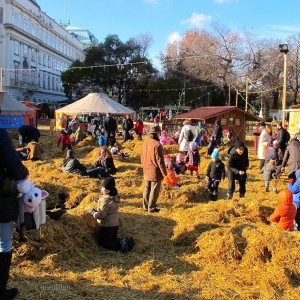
column 231, row 118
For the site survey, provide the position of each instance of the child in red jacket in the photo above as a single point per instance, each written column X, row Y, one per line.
column 139, row 128
column 64, row 138
column 285, row 212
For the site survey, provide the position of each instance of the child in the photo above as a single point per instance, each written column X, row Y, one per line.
column 285, row 212
column 139, row 128
column 65, row 139
column 174, row 138
column 193, row 159
column 118, row 151
column 101, row 139
column 171, row 180
column 214, row 174
column 294, row 187
column 107, row 215
column 272, row 164
column 212, row 145
column 180, row 166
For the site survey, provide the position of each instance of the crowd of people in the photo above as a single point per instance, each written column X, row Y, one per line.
column 276, row 150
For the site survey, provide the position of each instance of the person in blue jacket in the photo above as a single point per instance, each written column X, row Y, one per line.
column 294, row 187
column 11, row 169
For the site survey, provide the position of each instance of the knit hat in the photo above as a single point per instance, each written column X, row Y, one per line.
column 109, row 183
column 239, row 144
column 193, row 145
column 215, row 154
column 168, row 157
column 179, row 157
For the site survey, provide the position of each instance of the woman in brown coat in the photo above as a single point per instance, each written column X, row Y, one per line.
column 154, row 169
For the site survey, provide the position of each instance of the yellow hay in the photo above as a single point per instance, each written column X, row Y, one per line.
column 193, row 249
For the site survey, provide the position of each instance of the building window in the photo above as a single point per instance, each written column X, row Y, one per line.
column 17, row 72
column 26, row 24
column 17, row 47
column 16, row 19
column 53, row 83
column 44, row 59
column 33, row 55
column 33, row 30
column 49, row 61
column 25, row 51
column 1, row 15
column 40, row 58
column 49, row 81
column 40, row 80
column 54, row 64
column 44, row 80
column 33, row 75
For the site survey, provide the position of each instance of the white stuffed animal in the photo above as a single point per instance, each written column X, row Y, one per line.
column 33, row 198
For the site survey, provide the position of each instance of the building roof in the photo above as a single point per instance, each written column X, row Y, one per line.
column 83, row 35
column 208, row 112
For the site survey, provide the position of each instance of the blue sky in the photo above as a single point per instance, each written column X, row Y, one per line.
column 167, row 20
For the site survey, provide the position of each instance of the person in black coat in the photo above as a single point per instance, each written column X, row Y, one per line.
column 110, row 127
column 236, row 169
column 27, row 134
column 11, row 169
column 283, row 137
column 217, row 133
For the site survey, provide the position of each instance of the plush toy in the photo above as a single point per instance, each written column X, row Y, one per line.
column 32, row 209
column 23, row 186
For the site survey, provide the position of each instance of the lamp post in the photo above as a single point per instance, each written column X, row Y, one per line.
column 283, row 48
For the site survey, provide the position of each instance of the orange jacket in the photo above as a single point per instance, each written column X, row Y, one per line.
column 285, row 212
column 171, row 180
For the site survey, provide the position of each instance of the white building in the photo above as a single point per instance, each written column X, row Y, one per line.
column 34, row 50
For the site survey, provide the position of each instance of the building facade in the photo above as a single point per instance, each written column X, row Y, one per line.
column 34, row 50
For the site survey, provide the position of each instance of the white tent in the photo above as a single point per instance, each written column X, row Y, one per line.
column 95, row 103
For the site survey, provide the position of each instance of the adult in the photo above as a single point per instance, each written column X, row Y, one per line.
column 105, row 161
column 263, row 144
column 28, row 133
column 154, row 169
column 11, row 169
column 236, row 169
column 110, row 127
column 217, row 133
column 283, row 137
column 186, row 136
column 72, row 165
column 127, row 125
column 34, row 151
column 292, row 158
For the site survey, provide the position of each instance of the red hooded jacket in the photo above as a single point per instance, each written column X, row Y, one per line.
column 285, row 212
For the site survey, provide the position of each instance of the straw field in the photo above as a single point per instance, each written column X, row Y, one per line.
column 192, row 249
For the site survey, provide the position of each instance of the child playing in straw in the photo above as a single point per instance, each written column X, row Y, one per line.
column 294, row 187
column 171, row 180
column 285, row 212
column 107, row 215
column 193, row 159
column 214, row 174
column 180, row 167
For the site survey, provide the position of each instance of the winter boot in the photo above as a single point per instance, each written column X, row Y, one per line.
column 124, row 245
column 5, row 261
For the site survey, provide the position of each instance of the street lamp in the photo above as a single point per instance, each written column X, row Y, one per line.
column 283, row 48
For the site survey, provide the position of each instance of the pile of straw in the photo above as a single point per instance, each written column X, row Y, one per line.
column 192, row 249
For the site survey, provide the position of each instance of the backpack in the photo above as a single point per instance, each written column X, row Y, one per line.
column 189, row 136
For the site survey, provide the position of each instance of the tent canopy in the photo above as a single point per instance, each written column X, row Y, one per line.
column 96, row 103
column 12, row 107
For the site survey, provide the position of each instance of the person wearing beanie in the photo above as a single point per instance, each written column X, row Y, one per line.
column 180, row 166
column 236, row 168
column 294, row 187
column 193, row 159
column 263, row 144
column 107, row 215
column 285, row 211
column 214, row 174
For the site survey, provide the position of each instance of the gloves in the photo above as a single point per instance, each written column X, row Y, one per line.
column 91, row 211
column 292, row 180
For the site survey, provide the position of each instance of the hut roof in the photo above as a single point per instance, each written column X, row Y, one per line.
column 208, row 112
